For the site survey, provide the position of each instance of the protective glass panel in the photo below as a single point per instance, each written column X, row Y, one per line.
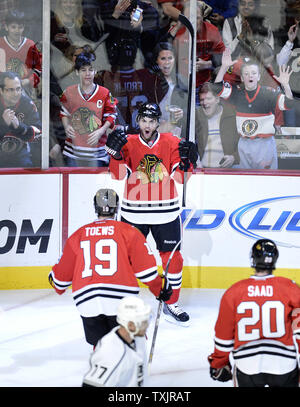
column 20, row 83
column 107, row 59
column 255, row 124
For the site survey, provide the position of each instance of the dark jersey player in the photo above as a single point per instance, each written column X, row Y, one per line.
column 152, row 162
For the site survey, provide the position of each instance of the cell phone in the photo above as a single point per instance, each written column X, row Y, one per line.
column 221, row 161
column 137, row 14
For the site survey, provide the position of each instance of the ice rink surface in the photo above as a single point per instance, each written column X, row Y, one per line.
column 42, row 341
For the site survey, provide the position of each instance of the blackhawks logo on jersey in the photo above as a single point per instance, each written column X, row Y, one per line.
column 249, row 127
column 151, row 169
column 84, row 121
column 15, row 65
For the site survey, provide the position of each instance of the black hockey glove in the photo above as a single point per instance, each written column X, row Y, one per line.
column 166, row 290
column 222, row 375
column 115, row 141
column 188, row 154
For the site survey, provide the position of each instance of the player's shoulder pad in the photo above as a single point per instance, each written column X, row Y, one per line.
column 110, row 347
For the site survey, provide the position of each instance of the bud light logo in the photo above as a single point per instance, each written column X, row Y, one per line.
column 272, row 218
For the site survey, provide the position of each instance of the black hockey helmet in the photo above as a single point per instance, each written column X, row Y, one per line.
column 149, row 110
column 264, row 254
column 106, row 202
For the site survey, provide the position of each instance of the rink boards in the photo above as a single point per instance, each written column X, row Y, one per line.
column 224, row 215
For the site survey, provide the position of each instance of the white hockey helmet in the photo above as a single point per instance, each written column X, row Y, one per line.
column 133, row 309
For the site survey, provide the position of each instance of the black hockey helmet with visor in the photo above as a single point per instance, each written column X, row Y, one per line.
column 106, row 202
column 264, row 255
column 151, row 110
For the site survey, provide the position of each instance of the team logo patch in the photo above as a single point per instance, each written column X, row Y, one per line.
column 11, row 144
column 151, row 169
column 249, row 127
column 15, row 65
column 84, row 121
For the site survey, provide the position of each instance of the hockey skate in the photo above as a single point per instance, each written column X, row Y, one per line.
column 174, row 314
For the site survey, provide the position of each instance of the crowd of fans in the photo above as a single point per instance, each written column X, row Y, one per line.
column 108, row 57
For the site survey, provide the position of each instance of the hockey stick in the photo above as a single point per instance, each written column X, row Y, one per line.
column 159, row 309
column 186, row 22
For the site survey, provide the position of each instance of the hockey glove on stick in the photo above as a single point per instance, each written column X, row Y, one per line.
column 222, row 375
column 115, row 141
column 188, row 154
column 166, row 290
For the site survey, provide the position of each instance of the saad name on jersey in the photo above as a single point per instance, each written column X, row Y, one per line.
column 99, row 230
column 257, row 291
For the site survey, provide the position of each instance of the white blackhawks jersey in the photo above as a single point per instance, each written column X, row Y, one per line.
column 255, row 110
column 115, row 363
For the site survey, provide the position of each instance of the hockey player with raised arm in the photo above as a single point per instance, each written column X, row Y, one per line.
column 103, row 262
column 119, row 359
column 152, row 162
column 258, row 322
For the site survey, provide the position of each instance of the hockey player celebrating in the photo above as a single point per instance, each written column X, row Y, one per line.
column 102, row 261
column 257, row 320
column 153, row 160
column 119, row 359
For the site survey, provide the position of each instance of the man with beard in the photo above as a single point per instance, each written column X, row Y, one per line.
column 153, row 161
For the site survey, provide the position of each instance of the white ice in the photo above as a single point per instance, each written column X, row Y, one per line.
column 42, row 341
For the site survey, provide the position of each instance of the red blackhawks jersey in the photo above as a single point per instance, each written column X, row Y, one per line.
column 150, row 195
column 209, row 43
column 257, row 320
column 102, row 261
column 85, row 117
column 25, row 60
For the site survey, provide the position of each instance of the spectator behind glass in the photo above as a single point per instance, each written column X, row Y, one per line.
column 68, row 25
column 216, row 133
column 5, row 7
column 209, row 48
column 248, row 25
column 174, row 101
column 265, row 56
column 117, row 20
column 20, row 53
column 255, row 112
column 69, row 28
column 123, row 81
column 66, row 78
column 19, row 123
column 88, row 111
column 222, row 9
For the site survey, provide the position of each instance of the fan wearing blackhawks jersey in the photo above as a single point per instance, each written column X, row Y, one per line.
column 20, row 123
column 255, row 112
column 103, row 262
column 88, row 111
column 258, row 322
column 19, row 54
column 152, row 162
